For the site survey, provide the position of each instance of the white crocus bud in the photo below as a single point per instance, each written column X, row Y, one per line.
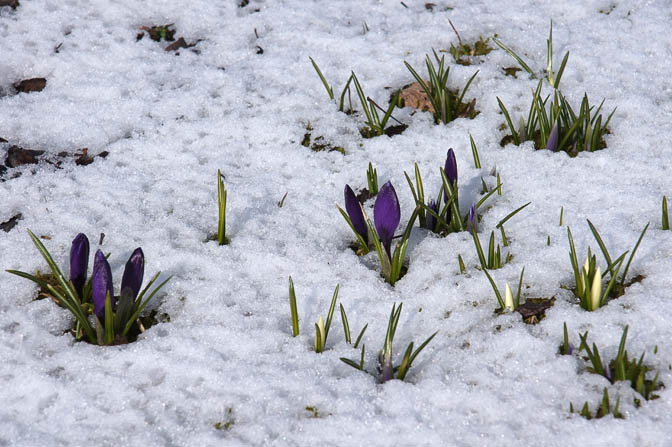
column 508, row 298
column 596, row 290
column 320, row 335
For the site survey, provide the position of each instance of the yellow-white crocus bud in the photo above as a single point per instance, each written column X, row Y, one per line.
column 508, row 298
column 596, row 290
column 320, row 335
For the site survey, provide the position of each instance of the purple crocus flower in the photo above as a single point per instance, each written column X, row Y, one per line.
column 134, row 271
column 430, row 221
column 101, row 284
column 79, row 262
column 451, row 168
column 472, row 221
column 552, row 143
column 386, row 215
column 355, row 213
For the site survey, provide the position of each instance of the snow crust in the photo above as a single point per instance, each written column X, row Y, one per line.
column 227, row 355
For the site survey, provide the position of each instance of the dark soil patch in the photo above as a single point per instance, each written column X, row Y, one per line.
column 11, row 223
column 11, row 3
column 18, row 156
column 533, row 310
column 318, row 144
column 30, row 85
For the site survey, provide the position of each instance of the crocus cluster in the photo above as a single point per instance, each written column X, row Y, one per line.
column 386, row 217
column 115, row 317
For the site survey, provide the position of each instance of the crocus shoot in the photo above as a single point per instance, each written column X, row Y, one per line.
column 387, row 371
column 221, row 201
column 621, row 368
column 588, row 278
column 552, row 76
column 665, row 220
column 447, row 104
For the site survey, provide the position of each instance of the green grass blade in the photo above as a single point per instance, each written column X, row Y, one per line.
column 632, row 253
column 510, row 52
column 500, row 300
column 141, row 307
column 330, row 315
column 666, row 217
column 346, row 325
column 464, row 91
column 600, row 243
column 514, row 134
column 474, row 153
column 558, row 76
column 293, row 309
column 109, row 320
column 362, row 99
column 510, row 215
column 361, row 334
column 221, row 201
column 324, row 81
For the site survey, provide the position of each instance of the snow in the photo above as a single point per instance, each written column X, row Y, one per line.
column 227, row 355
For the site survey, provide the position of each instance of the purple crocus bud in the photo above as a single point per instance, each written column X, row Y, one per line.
column 430, row 222
column 355, row 213
column 79, row 262
column 386, row 214
column 451, row 167
column 133, row 272
column 552, row 143
column 472, row 221
column 570, row 349
column 101, row 284
column 388, row 370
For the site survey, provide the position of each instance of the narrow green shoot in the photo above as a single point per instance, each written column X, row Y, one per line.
column 494, row 259
column 566, row 347
column 372, row 180
column 293, row 309
column 330, row 90
column 460, row 261
column 666, row 217
column 322, row 328
column 562, row 210
column 221, row 202
column 346, row 328
column 474, row 153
